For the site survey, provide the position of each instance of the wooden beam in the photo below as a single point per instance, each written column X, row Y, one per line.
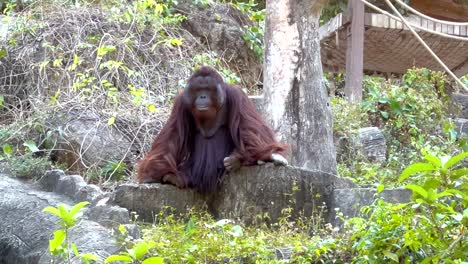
column 355, row 52
column 461, row 69
column 442, row 9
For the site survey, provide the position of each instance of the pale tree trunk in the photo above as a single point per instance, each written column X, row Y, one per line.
column 296, row 103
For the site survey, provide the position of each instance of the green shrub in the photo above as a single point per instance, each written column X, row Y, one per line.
column 198, row 238
column 411, row 116
column 60, row 247
column 431, row 228
column 28, row 166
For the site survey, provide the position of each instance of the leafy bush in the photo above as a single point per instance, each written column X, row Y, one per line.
column 28, row 166
column 432, row 228
column 348, row 118
column 412, row 108
column 60, row 247
column 253, row 34
column 198, row 238
column 411, row 115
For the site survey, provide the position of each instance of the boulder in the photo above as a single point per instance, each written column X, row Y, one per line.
column 249, row 192
column 268, row 189
column 108, row 216
column 461, row 126
column 147, row 200
column 25, row 230
column 349, row 201
column 70, row 185
column 371, row 143
column 461, row 100
column 84, row 140
column 48, row 182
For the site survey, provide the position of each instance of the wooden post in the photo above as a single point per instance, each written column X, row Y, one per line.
column 355, row 52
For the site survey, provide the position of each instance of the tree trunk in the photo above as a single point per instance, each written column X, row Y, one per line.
column 296, row 103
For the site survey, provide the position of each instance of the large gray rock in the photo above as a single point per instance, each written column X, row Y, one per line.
column 88, row 193
column 25, row 230
column 371, row 143
column 87, row 141
column 70, row 185
column 147, row 200
column 48, row 182
column 350, row 201
column 269, row 189
column 108, row 216
column 461, row 100
column 367, row 142
column 462, row 127
column 245, row 194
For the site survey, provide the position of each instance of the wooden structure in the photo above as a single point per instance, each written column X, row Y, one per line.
column 359, row 42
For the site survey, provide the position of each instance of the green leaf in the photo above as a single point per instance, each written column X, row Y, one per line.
column 89, row 256
column 391, row 255
column 415, row 168
column 395, row 106
column 153, row 260
column 237, row 231
column 431, row 195
column 380, row 188
column 103, row 50
column 56, row 242
column 122, row 229
column 140, row 250
column 3, row 52
column 114, row 258
column 66, row 218
column 456, row 174
column 76, row 59
column 111, row 121
column 77, row 207
column 443, row 194
column 431, row 183
column 176, row 42
column 151, row 108
column 417, row 189
column 7, row 150
column 2, row 100
column 31, row 145
column 433, row 160
column 384, row 114
column 190, row 227
column 159, row 9
column 52, row 210
column 75, row 249
column 454, row 160
column 458, row 193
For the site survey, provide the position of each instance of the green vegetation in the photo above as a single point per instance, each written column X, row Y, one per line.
column 253, row 34
column 412, row 116
column 431, row 228
column 60, row 247
column 18, row 145
column 112, row 57
column 122, row 61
